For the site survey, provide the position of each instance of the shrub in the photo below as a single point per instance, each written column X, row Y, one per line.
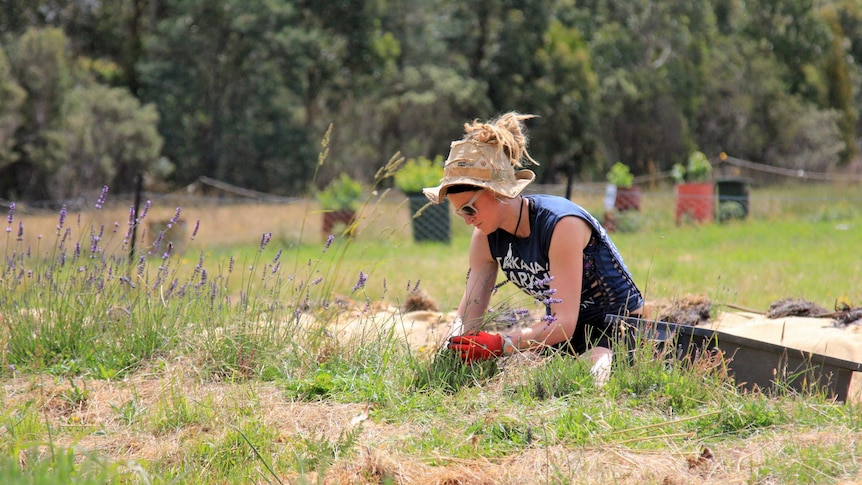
column 419, row 173
column 342, row 194
column 621, row 176
column 696, row 170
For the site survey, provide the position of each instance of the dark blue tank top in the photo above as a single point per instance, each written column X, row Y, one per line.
column 607, row 286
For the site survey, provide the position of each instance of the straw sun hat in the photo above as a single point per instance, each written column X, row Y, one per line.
column 472, row 162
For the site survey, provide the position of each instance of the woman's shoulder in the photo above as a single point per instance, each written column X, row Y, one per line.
column 552, row 208
column 556, row 204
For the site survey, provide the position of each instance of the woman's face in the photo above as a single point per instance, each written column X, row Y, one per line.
column 478, row 208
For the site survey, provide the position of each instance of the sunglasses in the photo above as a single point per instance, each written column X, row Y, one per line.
column 467, row 210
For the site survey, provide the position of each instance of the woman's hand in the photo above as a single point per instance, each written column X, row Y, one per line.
column 481, row 346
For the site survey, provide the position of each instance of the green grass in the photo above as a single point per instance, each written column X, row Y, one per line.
column 227, row 369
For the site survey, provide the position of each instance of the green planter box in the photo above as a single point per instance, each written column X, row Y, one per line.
column 732, row 198
column 431, row 223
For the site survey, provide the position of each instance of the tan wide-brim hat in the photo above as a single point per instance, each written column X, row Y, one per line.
column 480, row 164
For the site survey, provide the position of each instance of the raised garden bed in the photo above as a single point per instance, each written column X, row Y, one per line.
column 753, row 364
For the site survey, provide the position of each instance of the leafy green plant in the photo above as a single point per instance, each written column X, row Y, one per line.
column 129, row 412
column 621, row 176
column 418, row 173
column 559, row 376
column 76, row 396
column 316, row 452
column 628, row 221
column 697, row 169
column 341, row 194
column 232, row 455
column 180, row 412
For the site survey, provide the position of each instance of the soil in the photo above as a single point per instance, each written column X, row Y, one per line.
column 790, row 307
column 419, row 300
column 689, row 310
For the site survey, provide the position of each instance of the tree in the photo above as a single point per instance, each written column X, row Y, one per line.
column 846, row 18
column 749, row 113
column 109, row 138
column 650, row 58
column 565, row 94
column 12, row 96
column 42, row 65
column 75, row 134
column 412, row 95
column 228, row 108
column 793, row 32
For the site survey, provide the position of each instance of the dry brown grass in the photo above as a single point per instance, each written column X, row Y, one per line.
column 378, row 454
column 221, row 225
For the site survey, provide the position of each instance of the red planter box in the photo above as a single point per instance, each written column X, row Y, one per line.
column 694, row 201
column 331, row 219
column 628, row 199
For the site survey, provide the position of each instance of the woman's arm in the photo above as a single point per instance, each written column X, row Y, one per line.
column 480, row 283
column 566, row 256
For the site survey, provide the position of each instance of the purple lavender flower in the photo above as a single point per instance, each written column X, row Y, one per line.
column 195, row 231
column 144, row 212
column 329, row 240
column 20, row 231
column 203, row 277
column 101, row 201
column 175, row 218
column 549, row 319
column 95, row 247
column 264, row 240
column 168, row 252
column 361, row 283
column 200, row 264
column 131, row 223
column 62, row 220
column 11, row 213
column 277, row 256
column 158, row 241
column 66, row 235
column 230, row 265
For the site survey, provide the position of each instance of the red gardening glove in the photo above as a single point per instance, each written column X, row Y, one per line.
column 477, row 346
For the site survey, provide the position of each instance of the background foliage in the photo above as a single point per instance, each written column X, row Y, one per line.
column 98, row 93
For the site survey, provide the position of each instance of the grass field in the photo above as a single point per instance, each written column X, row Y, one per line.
column 215, row 364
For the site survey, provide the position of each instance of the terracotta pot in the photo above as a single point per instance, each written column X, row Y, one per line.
column 628, row 199
column 694, row 201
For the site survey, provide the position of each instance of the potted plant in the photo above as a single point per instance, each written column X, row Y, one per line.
column 694, row 190
column 339, row 201
column 430, row 222
column 626, row 195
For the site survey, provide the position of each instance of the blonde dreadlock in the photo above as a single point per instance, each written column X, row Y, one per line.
column 506, row 131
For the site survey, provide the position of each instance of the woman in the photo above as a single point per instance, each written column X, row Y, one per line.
column 548, row 246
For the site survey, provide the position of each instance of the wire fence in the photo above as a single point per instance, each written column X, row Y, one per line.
column 229, row 215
